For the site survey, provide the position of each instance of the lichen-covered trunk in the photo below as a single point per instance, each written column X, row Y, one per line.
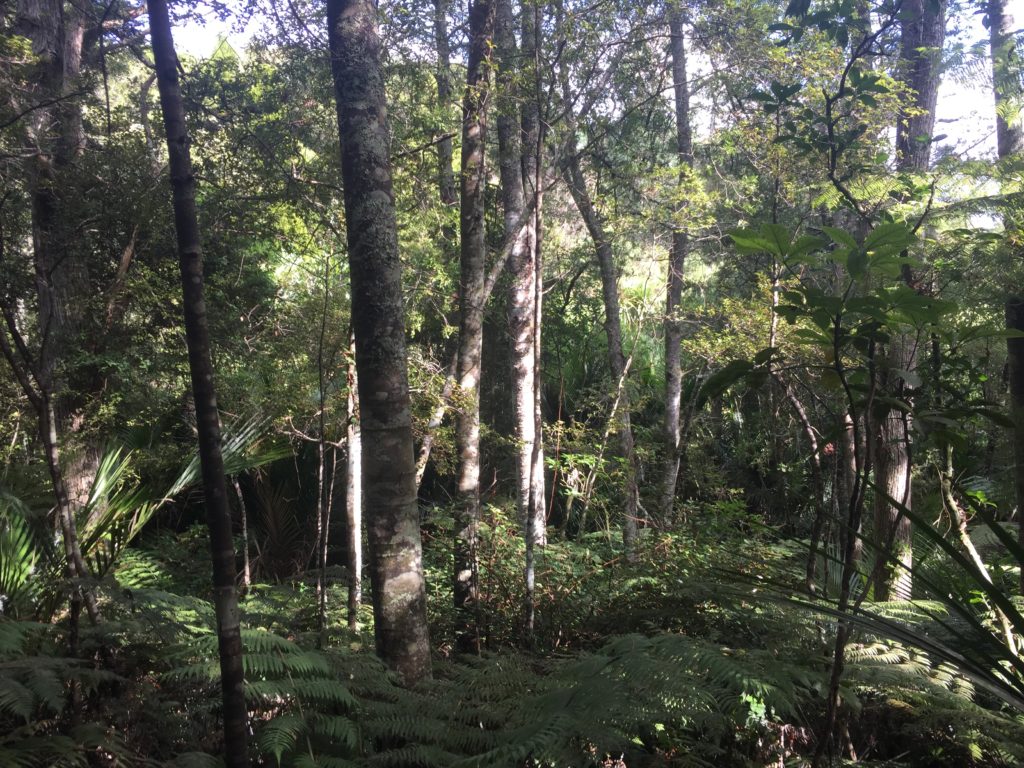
column 517, row 137
column 472, row 264
column 1006, row 67
column 676, row 266
column 389, row 469
column 613, row 332
column 197, row 340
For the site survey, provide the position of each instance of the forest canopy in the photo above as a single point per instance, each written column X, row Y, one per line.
column 511, row 383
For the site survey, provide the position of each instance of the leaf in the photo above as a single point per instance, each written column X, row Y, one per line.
column 857, row 262
column 778, row 238
column 892, row 235
column 840, row 236
column 748, row 241
column 718, row 382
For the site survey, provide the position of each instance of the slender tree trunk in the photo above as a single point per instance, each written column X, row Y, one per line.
column 471, row 321
column 443, row 77
column 613, row 332
column 354, row 500
column 244, row 519
column 389, row 467
column 676, row 265
column 197, row 339
column 923, row 30
column 533, row 135
column 1006, row 69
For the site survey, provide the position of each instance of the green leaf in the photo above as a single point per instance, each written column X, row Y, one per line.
column 857, row 262
column 840, row 236
column 892, row 235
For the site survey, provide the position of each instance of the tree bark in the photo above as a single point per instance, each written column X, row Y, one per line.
column 1006, row 68
column 676, row 266
column 197, row 339
column 389, row 468
column 922, row 34
column 471, row 320
column 613, row 332
column 354, row 500
column 893, row 479
column 443, row 77
column 923, row 31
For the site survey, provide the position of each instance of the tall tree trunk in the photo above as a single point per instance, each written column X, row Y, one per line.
column 533, row 189
column 389, row 468
column 923, row 31
column 471, row 320
column 197, row 339
column 676, row 265
column 243, row 517
column 613, row 331
column 922, row 34
column 54, row 131
column 521, row 287
column 354, row 499
column 1006, row 69
column 443, row 77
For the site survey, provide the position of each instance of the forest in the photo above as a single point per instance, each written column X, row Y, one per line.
column 511, row 384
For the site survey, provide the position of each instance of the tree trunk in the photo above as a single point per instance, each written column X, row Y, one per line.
column 354, row 500
column 676, row 265
column 197, row 339
column 922, row 34
column 893, row 479
column 471, row 321
column 613, row 332
column 244, row 519
column 54, row 133
column 533, row 188
column 443, row 77
column 1006, row 66
column 389, row 468
column 923, row 31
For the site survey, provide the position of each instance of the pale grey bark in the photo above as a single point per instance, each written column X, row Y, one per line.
column 471, row 320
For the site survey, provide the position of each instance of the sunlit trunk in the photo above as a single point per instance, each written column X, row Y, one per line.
column 471, row 317
column 676, row 266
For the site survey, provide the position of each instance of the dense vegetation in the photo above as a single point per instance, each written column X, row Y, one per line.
column 654, row 369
